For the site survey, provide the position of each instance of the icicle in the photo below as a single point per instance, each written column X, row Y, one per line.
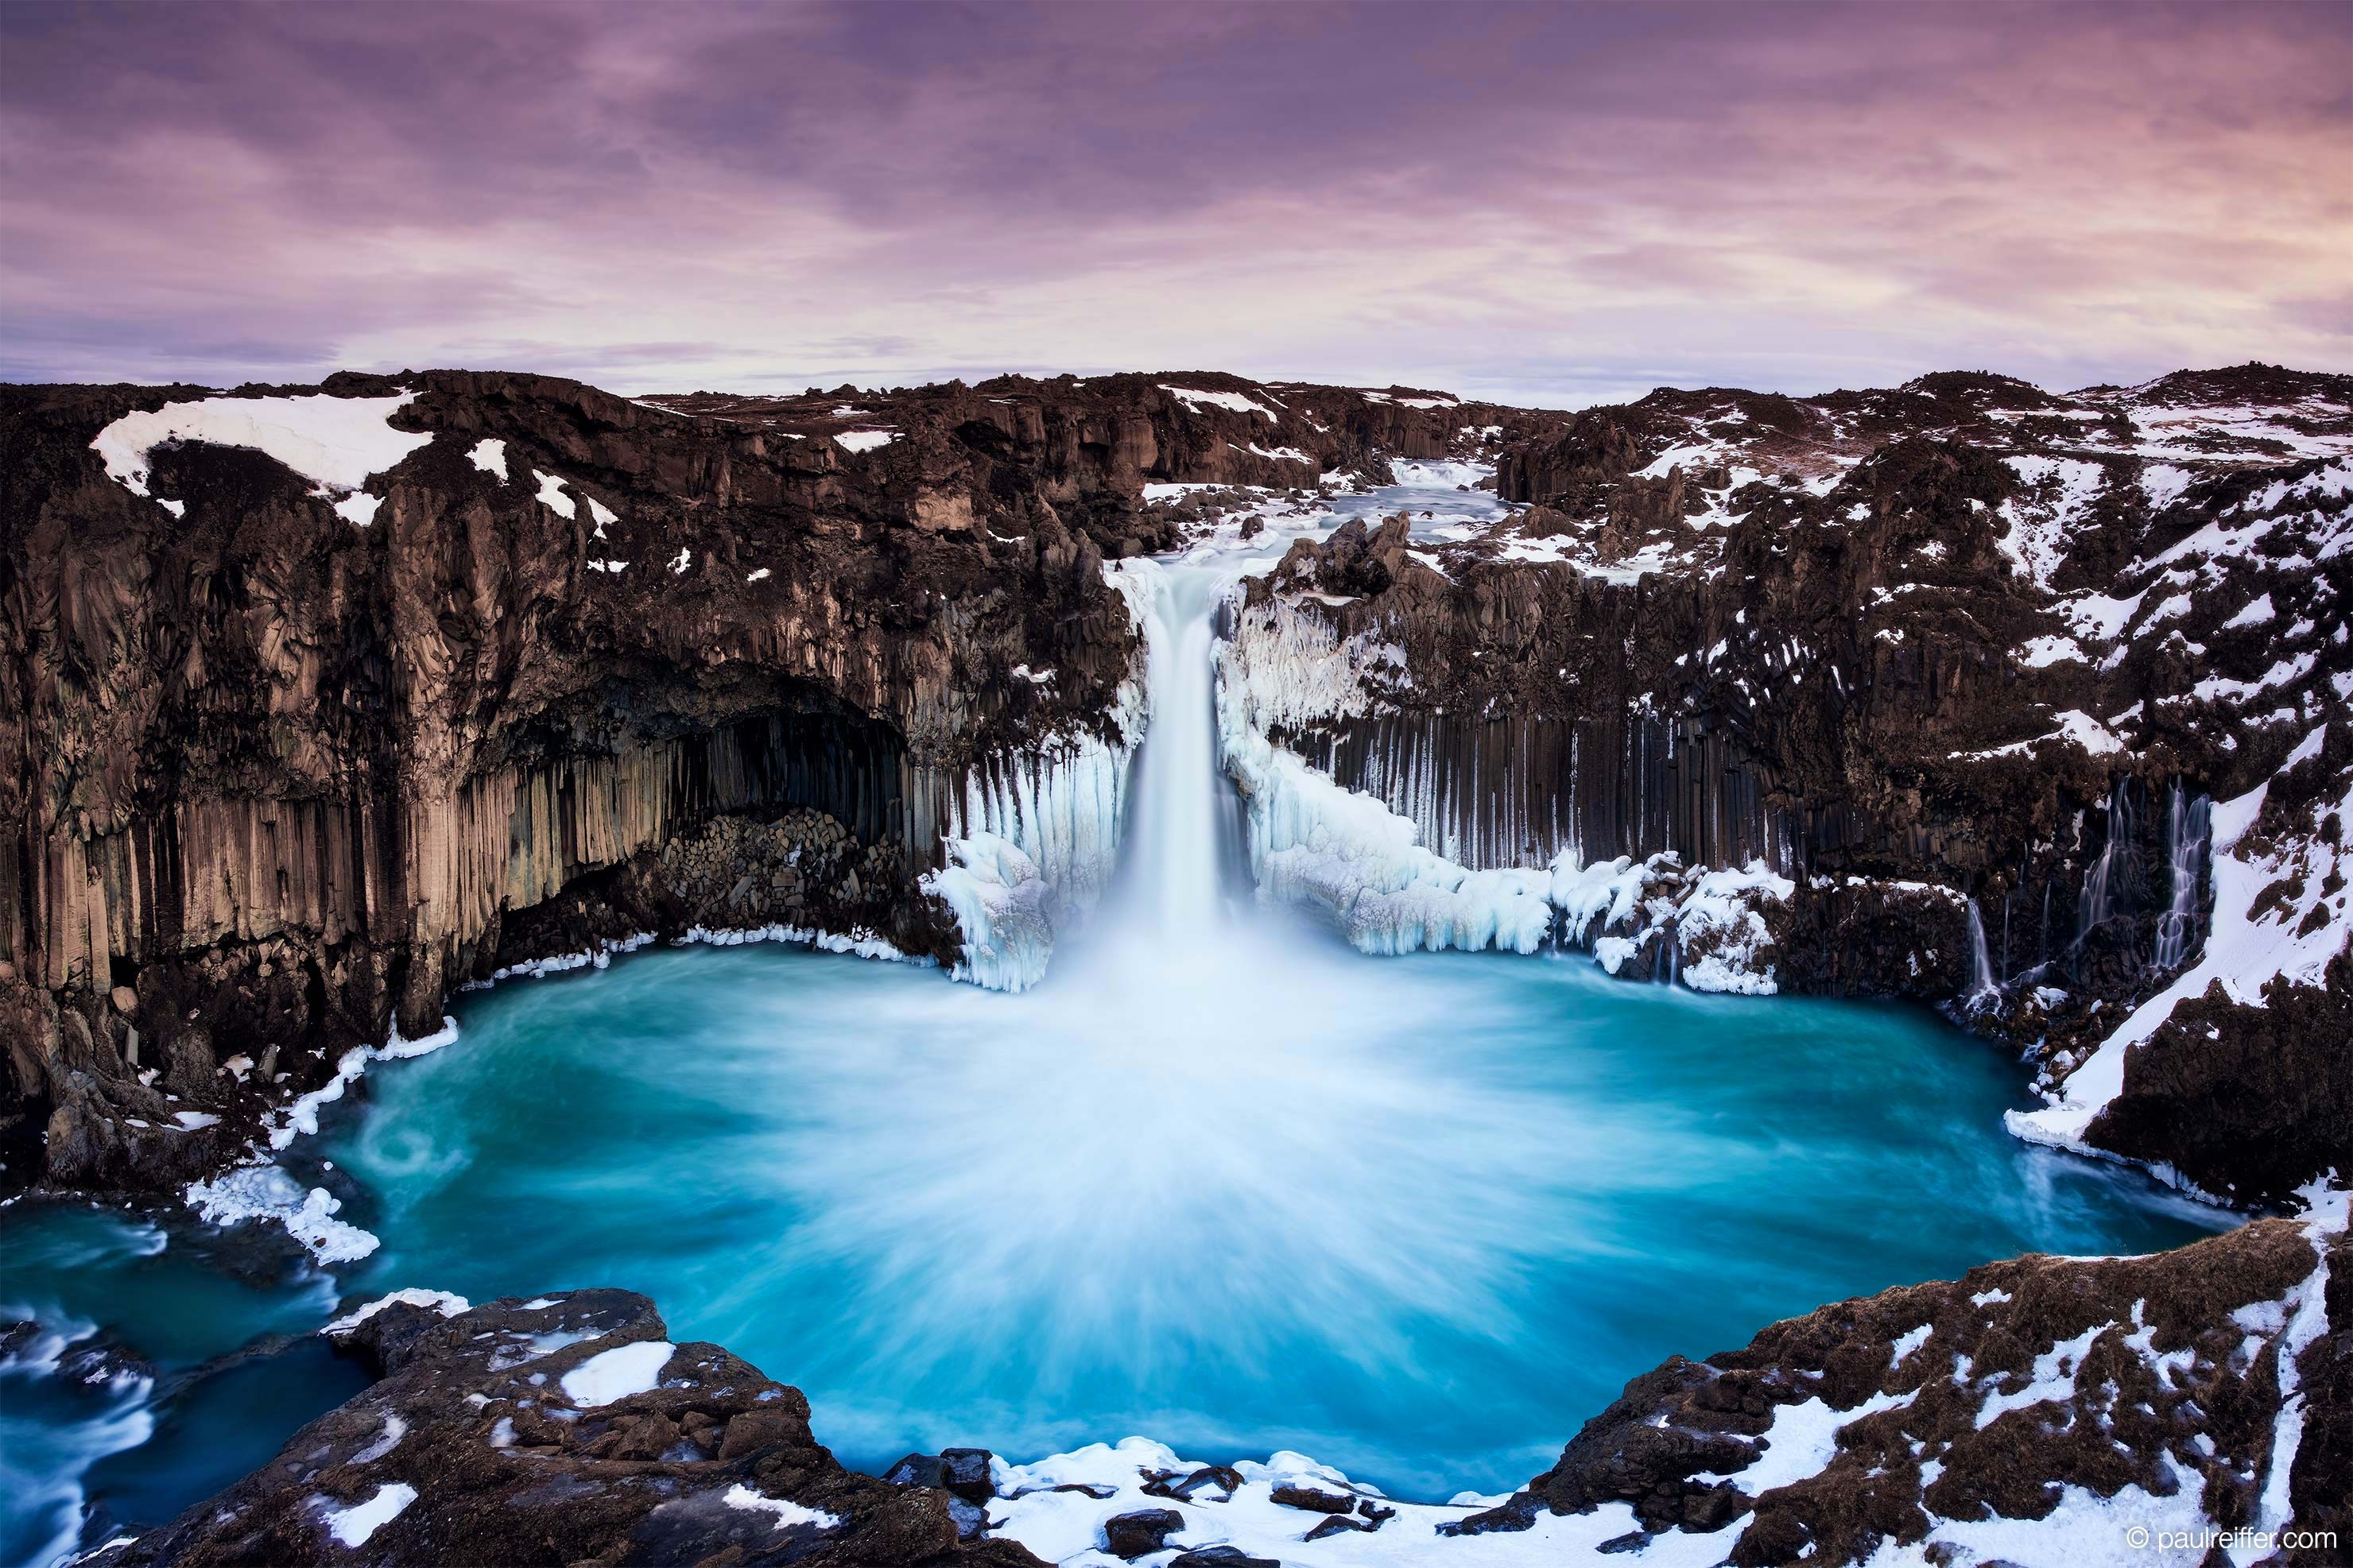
column 2188, row 827
column 1981, row 982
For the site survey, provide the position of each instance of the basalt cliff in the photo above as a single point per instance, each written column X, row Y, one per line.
column 324, row 702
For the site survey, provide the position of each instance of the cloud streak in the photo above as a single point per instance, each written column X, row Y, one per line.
column 1544, row 204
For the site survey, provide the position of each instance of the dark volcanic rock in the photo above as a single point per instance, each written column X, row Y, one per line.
column 1140, row 1533
column 1981, row 1397
column 1221, row 1557
column 472, row 1448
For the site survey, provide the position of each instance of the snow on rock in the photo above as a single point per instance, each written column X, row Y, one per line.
column 1802, row 1441
column 617, row 1374
column 788, row 1514
column 447, row 1303
column 358, row 507
column 1722, row 933
column 337, row 442
column 491, row 456
column 551, row 494
column 1067, row 1525
column 1233, row 402
column 352, row 1526
column 2256, row 936
column 865, row 440
column 2057, row 492
column 2256, row 612
column 1002, row 906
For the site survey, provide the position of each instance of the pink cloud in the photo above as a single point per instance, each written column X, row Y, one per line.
column 1555, row 203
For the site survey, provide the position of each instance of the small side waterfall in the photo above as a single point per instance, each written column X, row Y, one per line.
column 2189, row 827
column 1981, row 980
column 2104, row 880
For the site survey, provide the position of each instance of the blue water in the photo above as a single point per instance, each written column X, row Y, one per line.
column 81, row 1460
column 1419, row 1217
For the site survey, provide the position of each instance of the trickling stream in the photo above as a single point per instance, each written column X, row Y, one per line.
column 1218, row 1180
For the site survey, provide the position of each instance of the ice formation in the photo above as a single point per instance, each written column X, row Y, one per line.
column 1004, row 908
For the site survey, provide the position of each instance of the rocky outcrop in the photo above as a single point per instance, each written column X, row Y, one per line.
column 1961, row 662
column 560, row 1431
column 2029, row 1405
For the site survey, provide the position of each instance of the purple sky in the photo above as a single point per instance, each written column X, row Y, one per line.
column 1557, row 203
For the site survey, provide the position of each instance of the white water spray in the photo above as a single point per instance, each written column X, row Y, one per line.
column 1176, row 846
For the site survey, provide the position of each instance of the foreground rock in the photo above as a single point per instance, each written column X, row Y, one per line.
column 2031, row 1412
column 561, row 1431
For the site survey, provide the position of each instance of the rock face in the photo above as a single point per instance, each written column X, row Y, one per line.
column 318, row 703
column 2202, row 1388
column 2037, row 704
column 561, row 1432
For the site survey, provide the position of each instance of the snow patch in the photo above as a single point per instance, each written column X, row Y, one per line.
column 353, row 1526
column 338, row 442
column 788, row 1514
column 617, row 1374
column 448, row 1303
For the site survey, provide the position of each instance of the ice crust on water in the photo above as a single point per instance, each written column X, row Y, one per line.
column 332, row 441
column 263, row 1190
column 268, row 1192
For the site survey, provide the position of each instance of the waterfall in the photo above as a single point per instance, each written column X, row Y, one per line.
column 1179, row 838
column 2100, row 886
column 1981, row 981
column 2188, row 825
